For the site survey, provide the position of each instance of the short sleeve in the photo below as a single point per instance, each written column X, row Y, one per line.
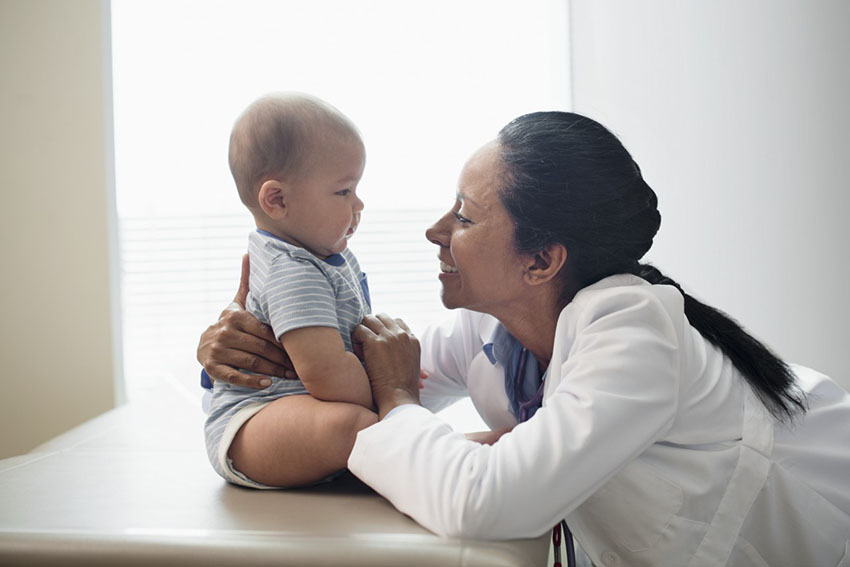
column 298, row 294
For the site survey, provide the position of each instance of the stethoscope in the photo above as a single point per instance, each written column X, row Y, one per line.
column 525, row 408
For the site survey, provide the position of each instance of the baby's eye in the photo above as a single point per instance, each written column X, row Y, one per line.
column 462, row 219
column 344, row 192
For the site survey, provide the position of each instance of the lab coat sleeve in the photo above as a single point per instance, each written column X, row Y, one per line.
column 447, row 350
column 617, row 396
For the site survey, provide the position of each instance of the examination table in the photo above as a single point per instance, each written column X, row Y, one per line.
column 133, row 487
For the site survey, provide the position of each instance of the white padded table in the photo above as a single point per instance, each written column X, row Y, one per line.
column 133, row 487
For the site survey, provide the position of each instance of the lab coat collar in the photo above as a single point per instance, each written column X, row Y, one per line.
column 500, row 346
column 488, row 328
column 498, row 343
column 617, row 280
column 522, row 379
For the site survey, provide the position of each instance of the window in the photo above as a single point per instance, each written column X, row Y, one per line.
column 426, row 82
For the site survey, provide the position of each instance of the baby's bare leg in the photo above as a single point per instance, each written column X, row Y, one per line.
column 298, row 440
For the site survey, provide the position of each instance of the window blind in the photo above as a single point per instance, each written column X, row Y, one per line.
column 179, row 272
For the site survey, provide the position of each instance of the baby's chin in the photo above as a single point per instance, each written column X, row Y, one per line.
column 340, row 246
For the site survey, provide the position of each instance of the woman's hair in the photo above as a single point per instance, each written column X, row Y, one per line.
column 569, row 180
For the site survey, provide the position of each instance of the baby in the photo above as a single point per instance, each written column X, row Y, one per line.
column 297, row 161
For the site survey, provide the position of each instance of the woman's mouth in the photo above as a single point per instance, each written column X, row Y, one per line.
column 446, row 269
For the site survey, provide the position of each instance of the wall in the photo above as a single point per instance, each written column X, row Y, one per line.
column 739, row 114
column 56, row 331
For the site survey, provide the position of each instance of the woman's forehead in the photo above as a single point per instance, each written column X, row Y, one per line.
column 479, row 180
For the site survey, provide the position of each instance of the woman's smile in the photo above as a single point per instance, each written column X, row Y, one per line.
column 479, row 266
column 447, row 269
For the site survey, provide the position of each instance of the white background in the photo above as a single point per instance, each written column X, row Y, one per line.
column 426, row 83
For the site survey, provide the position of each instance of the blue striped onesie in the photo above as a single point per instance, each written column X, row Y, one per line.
column 290, row 289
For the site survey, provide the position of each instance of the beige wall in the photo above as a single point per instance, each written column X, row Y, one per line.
column 56, row 331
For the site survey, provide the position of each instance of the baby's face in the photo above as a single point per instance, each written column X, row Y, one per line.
column 325, row 208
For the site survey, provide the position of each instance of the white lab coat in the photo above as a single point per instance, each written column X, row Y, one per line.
column 649, row 442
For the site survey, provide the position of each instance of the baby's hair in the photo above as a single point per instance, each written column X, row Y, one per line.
column 274, row 136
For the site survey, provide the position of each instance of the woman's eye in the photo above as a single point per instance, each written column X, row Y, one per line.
column 462, row 219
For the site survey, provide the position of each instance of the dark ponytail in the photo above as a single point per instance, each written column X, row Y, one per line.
column 770, row 377
column 569, row 180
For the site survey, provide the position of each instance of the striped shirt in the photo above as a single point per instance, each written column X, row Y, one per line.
column 290, row 289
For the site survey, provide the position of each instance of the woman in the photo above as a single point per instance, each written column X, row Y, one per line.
column 667, row 435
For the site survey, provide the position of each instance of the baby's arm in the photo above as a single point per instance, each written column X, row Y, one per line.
column 327, row 370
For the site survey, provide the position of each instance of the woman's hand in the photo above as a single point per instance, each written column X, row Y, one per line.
column 239, row 341
column 390, row 352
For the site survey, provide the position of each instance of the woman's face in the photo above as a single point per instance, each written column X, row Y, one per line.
column 480, row 269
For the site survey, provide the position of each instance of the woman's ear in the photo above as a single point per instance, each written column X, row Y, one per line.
column 545, row 264
column 273, row 198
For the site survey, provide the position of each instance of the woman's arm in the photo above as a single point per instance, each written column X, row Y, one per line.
column 618, row 394
column 239, row 341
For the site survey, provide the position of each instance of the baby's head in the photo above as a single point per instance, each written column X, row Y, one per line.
column 296, row 161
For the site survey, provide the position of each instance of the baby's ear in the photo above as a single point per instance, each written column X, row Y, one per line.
column 273, row 198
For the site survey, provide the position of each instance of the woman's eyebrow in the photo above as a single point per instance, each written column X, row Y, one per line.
column 465, row 199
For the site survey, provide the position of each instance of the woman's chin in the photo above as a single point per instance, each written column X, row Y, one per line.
column 448, row 301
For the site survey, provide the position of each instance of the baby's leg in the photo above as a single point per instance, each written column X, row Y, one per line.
column 298, row 440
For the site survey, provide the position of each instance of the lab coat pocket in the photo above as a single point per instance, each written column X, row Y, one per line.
column 636, row 492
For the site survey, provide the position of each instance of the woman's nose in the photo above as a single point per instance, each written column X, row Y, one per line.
column 438, row 232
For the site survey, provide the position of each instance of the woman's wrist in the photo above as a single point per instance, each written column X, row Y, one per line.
column 391, row 399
